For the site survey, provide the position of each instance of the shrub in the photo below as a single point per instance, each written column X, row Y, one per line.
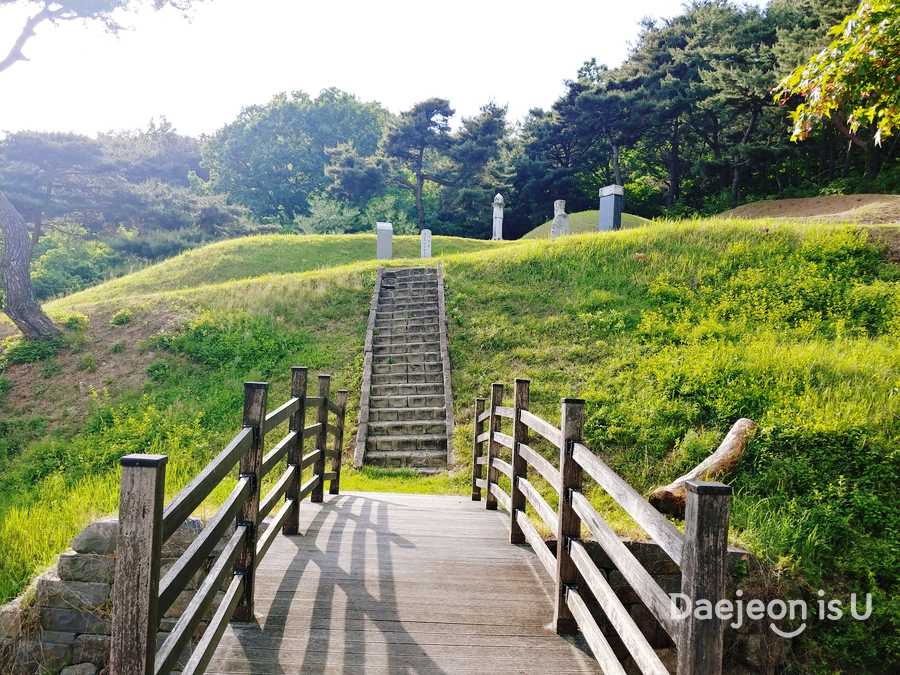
column 121, row 317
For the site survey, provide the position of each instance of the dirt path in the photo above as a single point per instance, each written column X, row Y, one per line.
column 863, row 209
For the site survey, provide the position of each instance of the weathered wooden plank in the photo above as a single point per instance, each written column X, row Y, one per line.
column 185, row 502
column 317, row 493
column 615, row 611
column 280, row 414
column 198, row 552
column 654, row 523
column 275, row 494
column 704, row 574
column 547, row 471
column 309, row 460
column 184, row 629
column 335, row 408
column 308, row 487
column 548, row 560
column 477, row 452
column 503, row 439
column 141, row 496
column 205, row 649
column 266, row 540
column 568, row 522
column 313, row 401
column 547, row 514
column 295, row 450
column 484, row 437
column 333, row 430
column 659, row 604
column 518, row 465
column 504, row 411
column 500, row 495
column 334, row 487
column 329, row 475
column 493, row 448
column 312, row 430
column 591, row 631
column 481, row 460
column 502, row 467
column 545, row 429
column 275, row 454
column 481, row 482
column 482, row 416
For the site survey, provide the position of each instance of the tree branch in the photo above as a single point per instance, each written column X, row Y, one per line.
column 839, row 123
column 435, row 179
column 16, row 54
column 402, row 182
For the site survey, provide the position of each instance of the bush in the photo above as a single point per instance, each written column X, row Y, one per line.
column 121, row 317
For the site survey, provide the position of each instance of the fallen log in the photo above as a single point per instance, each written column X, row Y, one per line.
column 671, row 498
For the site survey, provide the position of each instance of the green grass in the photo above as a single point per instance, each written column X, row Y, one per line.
column 584, row 222
column 669, row 332
column 270, row 254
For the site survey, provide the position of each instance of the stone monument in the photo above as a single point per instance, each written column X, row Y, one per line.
column 498, row 218
column 560, row 226
column 384, row 247
column 612, row 199
column 426, row 243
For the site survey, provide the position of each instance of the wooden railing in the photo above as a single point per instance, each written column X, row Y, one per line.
column 145, row 523
column 700, row 552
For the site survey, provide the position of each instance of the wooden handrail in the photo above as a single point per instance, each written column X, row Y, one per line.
column 700, row 557
column 145, row 522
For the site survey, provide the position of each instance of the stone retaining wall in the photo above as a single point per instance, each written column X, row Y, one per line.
column 63, row 622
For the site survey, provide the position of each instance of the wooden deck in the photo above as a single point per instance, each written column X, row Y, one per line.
column 388, row 584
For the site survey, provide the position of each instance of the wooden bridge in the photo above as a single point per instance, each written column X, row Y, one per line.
column 401, row 584
column 389, row 584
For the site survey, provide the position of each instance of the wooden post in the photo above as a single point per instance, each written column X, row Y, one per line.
column 255, row 398
column 569, row 524
column 493, row 474
column 295, row 453
column 703, row 575
column 519, row 465
column 135, row 623
column 477, row 450
column 317, row 493
column 338, row 447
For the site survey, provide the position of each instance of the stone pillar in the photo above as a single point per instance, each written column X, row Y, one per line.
column 384, row 248
column 612, row 199
column 426, row 243
column 560, row 226
column 498, row 218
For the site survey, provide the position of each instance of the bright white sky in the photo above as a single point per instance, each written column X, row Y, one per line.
column 235, row 53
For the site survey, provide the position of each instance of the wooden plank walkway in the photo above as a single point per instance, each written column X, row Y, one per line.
column 388, row 584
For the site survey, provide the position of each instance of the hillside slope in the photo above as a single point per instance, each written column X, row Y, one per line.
column 670, row 333
column 863, row 209
column 583, row 222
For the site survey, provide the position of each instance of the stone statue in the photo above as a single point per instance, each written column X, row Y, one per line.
column 560, row 226
column 498, row 218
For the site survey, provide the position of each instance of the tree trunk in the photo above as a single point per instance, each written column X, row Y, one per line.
column 848, row 159
column 21, row 304
column 420, row 207
column 671, row 498
column 872, row 163
column 673, row 169
column 615, row 158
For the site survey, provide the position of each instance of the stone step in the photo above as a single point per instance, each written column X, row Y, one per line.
column 436, row 377
column 432, row 401
column 388, row 323
column 424, row 389
column 423, row 461
column 406, row 414
column 407, row 357
column 407, row 306
column 404, row 273
column 406, row 333
column 406, row 367
column 408, row 314
column 406, row 348
column 408, row 444
column 410, row 291
column 407, row 428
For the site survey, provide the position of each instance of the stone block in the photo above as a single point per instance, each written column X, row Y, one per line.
column 92, row 649
column 652, row 557
column 384, row 244
column 81, row 669
column 57, row 637
column 51, row 591
column 11, row 619
column 74, row 621
column 98, row 537
column 669, row 583
column 765, row 651
column 73, row 566
column 46, row 655
column 622, row 588
column 194, row 582
column 182, row 538
column 669, row 658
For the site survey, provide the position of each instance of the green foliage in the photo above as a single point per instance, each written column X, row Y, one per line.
column 76, row 322
column 855, row 78
column 121, row 317
column 23, row 350
column 239, row 340
column 65, row 262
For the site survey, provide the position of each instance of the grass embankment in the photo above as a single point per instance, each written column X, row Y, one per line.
column 584, row 222
column 670, row 333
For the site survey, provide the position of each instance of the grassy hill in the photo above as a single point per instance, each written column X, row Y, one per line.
column 670, row 333
column 584, row 222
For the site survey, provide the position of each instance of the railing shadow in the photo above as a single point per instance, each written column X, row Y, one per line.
column 341, row 562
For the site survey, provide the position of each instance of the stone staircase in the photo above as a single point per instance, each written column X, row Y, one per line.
column 406, row 411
